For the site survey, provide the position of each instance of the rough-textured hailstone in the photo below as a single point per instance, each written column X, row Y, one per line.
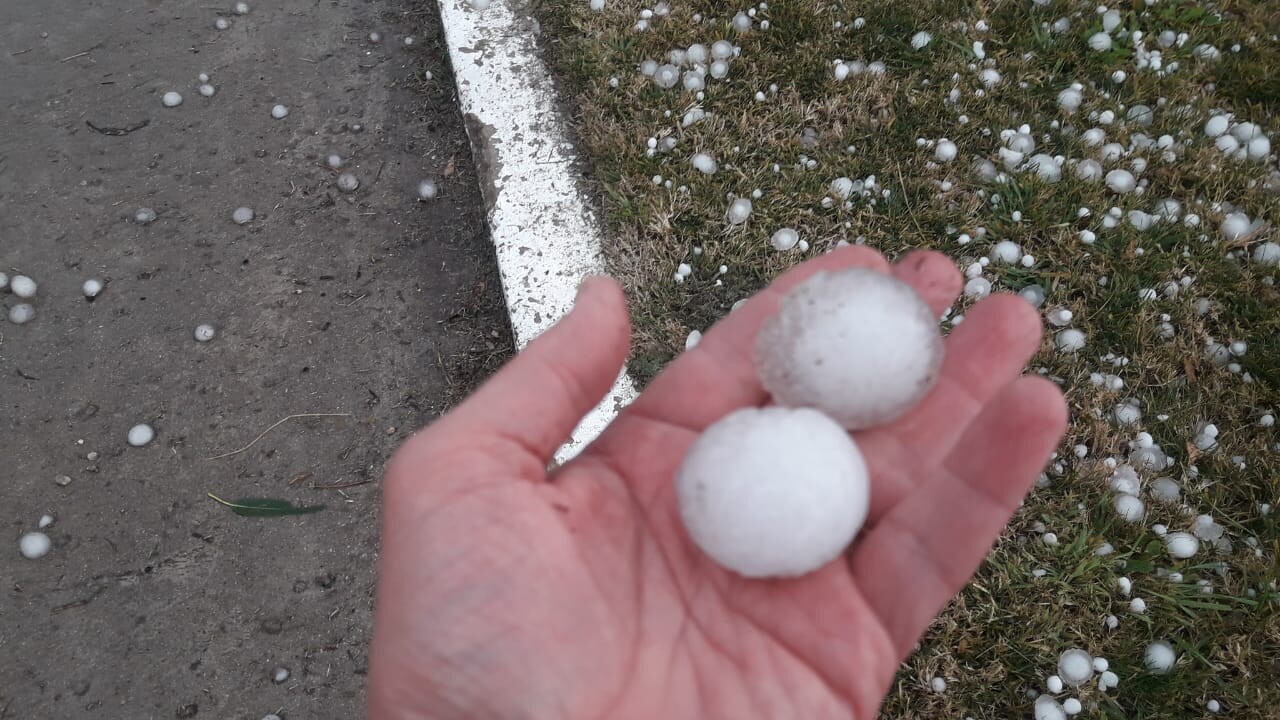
column 348, row 182
column 1121, row 181
column 91, row 288
column 1165, row 490
column 140, row 435
column 1100, row 42
column 21, row 314
column 945, row 151
column 1159, row 657
column 1217, row 126
column 171, row 99
column 739, row 211
column 857, row 344
column 773, row 492
column 1007, row 252
column 1070, row 99
column 1070, row 340
column 144, row 216
column 279, row 112
column 1268, row 254
column 785, row 239
column 23, row 286
column 204, row 333
column 1235, row 225
column 1046, row 708
column 1075, row 667
column 34, row 545
column 1045, row 167
column 920, row 40
column 1130, row 508
column 1089, row 170
column 427, row 190
column 207, row 90
column 242, row 215
column 1181, row 545
column 704, row 163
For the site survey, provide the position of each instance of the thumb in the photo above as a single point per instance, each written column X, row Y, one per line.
column 536, row 400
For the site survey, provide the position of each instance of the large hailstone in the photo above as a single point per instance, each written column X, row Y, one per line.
column 1075, row 667
column 773, row 492
column 1159, row 657
column 857, row 344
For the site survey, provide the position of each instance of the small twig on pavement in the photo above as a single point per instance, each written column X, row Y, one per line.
column 277, row 424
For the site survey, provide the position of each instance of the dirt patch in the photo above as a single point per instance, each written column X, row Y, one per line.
column 156, row 601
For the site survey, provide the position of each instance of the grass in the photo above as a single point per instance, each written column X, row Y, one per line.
column 1003, row 635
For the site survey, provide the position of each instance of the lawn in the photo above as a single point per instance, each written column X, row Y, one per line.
column 1087, row 142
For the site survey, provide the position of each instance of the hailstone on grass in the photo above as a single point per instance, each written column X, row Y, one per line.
column 857, row 344
column 945, row 151
column 1267, row 254
column 1089, row 170
column 1130, row 508
column 1007, row 252
column 1046, row 167
column 1165, row 490
column 1181, row 545
column 773, row 492
column 1121, row 181
column 1072, row 706
column 1075, row 667
column 1046, row 708
column 1235, row 226
column 34, row 545
column 1159, row 657
column 704, row 163
column 785, row 239
column 1070, row 340
column 739, row 211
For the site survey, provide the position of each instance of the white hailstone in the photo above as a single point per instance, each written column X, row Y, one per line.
column 1089, row 170
column 721, row 50
column 1258, row 148
column 1046, row 708
column 1069, row 99
column 945, row 151
column 648, row 67
column 1267, row 420
column 1071, row 706
column 1169, row 209
column 1239, row 348
column 1121, row 181
column 1213, row 706
column 857, row 344
column 144, row 216
column 141, row 434
column 1093, row 137
column 1235, row 226
column 990, row 77
column 938, row 685
column 34, row 545
column 1112, row 622
column 1142, row 221
column 91, row 288
column 977, row 288
column 1007, row 252
column 693, row 81
column 1227, row 144
column 1106, row 117
column 204, row 333
column 207, row 90
column 279, row 112
column 684, row 270
column 350, row 183
column 1181, row 545
column 1059, row 317
column 1124, row 479
column 1125, row 585
column 692, row 340
column 1100, row 664
column 1100, row 42
column 202, row 77
column 428, row 190
column 739, row 210
column 1021, row 142
column 1217, row 126
column 1207, row 437
column 222, row 23
column 1107, row 680
column 704, row 163
column 1050, row 539
column 1046, row 167
column 741, row 22
column 720, row 69
column 1111, row 152
column 375, row 37
column 280, row 674
column 1111, row 20
column 21, row 314
column 1033, row 294
column 1130, row 508
column 1127, row 413
column 1141, row 115
column 1075, row 667
column 666, row 76
column 171, row 99
column 242, row 8
column 785, row 239
column 1053, row 684
column 1206, row 528
column 696, row 53
column 1137, row 606
column 1219, row 355
column 1159, row 657
column 409, row 40
column 45, row 521
column 1070, row 340
column 921, row 40
column 773, row 492
column 23, row 286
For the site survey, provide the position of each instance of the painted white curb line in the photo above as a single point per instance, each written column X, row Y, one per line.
column 546, row 237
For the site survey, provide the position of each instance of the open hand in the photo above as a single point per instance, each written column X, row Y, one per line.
column 507, row 590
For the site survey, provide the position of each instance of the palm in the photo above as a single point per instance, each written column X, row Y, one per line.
column 506, row 591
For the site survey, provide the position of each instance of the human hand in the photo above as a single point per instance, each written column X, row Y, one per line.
column 507, row 590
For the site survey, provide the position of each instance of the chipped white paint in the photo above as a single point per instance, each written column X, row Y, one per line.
column 546, row 236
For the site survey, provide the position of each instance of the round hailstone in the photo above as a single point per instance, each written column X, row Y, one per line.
column 1159, row 657
column 375, row 37
column 428, row 190
column 921, row 40
column 938, row 685
column 720, row 69
column 741, row 22
column 945, row 151
column 1053, row 684
column 334, row 161
column 692, row 339
column 857, row 344
column 1100, row 42
column 34, row 545
column 1141, row 115
column 843, row 187
column 697, row 54
column 773, row 492
column 977, row 288
column 666, row 76
column 1258, row 148
column 1165, row 490
column 1046, row 708
column 1268, row 254
column 1235, row 226
column 693, row 81
column 1075, row 667
column 204, row 333
column 1033, row 294
column 721, row 50
column 1046, row 167
column 1070, row 340
column 704, row 163
column 171, row 99
column 91, row 288
column 1121, row 181
column 242, row 215
column 21, row 314
column 207, row 90
column 785, row 239
column 1093, row 137
column 23, row 286
column 739, row 211
column 348, row 182
column 222, row 23
column 141, row 434
column 1217, row 126
column 1125, row 480
column 1130, row 508
column 1089, row 170
column 1072, row 706
column 279, row 112
column 242, row 8
column 1069, row 99
column 1181, row 545
column 144, row 216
